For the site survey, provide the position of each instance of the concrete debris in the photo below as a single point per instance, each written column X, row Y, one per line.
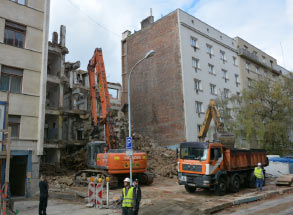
column 286, row 180
column 60, row 182
column 75, row 161
column 161, row 161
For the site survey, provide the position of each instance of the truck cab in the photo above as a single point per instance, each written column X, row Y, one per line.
column 198, row 163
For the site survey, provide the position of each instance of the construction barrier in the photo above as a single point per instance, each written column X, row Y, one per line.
column 91, row 193
column 99, row 194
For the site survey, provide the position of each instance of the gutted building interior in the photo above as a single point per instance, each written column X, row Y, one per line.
column 68, row 120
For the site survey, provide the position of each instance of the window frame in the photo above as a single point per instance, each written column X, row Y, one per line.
column 212, row 72
column 10, row 79
column 226, row 93
column 223, row 56
column 15, row 30
column 226, row 78
column 197, row 65
column 214, row 91
column 195, row 46
column 16, row 1
column 211, row 54
column 197, row 82
column 196, row 107
column 237, row 80
column 15, row 123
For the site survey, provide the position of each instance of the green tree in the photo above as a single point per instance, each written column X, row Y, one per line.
column 262, row 115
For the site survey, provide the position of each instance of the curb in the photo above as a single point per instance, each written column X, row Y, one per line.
column 225, row 205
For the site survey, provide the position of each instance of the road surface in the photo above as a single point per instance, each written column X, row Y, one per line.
column 280, row 205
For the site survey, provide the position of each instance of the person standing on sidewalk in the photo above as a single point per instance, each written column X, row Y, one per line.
column 259, row 176
column 43, row 195
column 128, row 198
column 137, row 193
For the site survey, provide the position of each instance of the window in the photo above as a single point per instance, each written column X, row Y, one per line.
column 14, row 123
column 22, row 2
column 198, row 127
column 234, row 61
column 263, row 59
column 265, row 73
column 257, row 70
column 247, row 66
column 245, row 47
column 11, row 79
column 225, row 75
column 197, row 85
column 213, row 89
column 254, row 53
column 215, row 154
column 238, row 93
column 237, row 80
column 223, row 57
column 249, row 80
column 14, row 34
column 195, row 64
column 211, row 69
column 198, row 107
column 194, row 43
column 271, row 62
column 226, row 93
column 210, row 50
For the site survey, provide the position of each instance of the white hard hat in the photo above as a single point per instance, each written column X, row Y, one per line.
column 259, row 164
column 127, row 180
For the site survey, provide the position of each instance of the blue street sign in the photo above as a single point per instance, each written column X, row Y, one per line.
column 128, row 142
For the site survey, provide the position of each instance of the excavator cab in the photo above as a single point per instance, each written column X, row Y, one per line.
column 94, row 148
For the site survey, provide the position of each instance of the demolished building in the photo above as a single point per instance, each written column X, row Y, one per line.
column 68, row 120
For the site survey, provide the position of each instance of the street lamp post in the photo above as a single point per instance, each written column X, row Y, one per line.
column 148, row 55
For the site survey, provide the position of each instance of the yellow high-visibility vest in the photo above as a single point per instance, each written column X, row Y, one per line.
column 128, row 199
column 258, row 172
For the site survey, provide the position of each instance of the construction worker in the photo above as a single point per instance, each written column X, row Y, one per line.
column 259, row 176
column 137, row 193
column 128, row 198
column 43, row 195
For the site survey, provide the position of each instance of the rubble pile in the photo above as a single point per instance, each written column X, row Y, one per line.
column 75, row 161
column 161, row 161
column 60, row 182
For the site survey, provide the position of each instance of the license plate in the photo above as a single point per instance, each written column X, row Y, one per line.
column 192, row 185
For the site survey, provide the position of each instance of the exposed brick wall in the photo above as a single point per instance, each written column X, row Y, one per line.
column 156, row 84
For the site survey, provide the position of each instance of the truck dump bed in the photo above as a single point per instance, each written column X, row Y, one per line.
column 241, row 159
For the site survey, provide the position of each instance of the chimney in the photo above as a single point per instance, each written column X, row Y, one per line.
column 125, row 34
column 147, row 21
column 62, row 35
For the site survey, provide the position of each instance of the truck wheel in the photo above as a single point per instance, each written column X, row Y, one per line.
column 190, row 189
column 221, row 187
column 235, row 184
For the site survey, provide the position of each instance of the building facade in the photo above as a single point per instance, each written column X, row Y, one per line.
column 170, row 92
column 23, row 65
column 255, row 64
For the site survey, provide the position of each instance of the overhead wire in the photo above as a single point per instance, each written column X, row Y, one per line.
column 92, row 19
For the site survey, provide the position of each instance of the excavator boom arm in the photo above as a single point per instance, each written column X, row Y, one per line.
column 96, row 69
column 211, row 113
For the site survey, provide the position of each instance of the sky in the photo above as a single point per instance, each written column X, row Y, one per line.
column 90, row 24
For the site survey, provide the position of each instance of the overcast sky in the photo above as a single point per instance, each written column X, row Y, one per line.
column 267, row 24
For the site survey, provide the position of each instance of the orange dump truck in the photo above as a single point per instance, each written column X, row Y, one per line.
column 214, row 167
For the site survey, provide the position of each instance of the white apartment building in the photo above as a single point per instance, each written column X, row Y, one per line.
column 209, row 69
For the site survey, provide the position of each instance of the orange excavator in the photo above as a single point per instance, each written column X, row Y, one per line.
column 103, row 157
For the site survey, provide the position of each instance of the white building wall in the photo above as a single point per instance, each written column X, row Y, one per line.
column 189, row 27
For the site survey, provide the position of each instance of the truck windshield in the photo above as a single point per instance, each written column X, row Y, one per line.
column 191, row 153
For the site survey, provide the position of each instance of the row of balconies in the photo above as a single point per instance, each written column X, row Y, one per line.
column 254, row 58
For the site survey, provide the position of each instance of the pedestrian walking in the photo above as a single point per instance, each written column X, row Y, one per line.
column 128, row 198
column 43, row 185
column 137, row 193
column 258, row 172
